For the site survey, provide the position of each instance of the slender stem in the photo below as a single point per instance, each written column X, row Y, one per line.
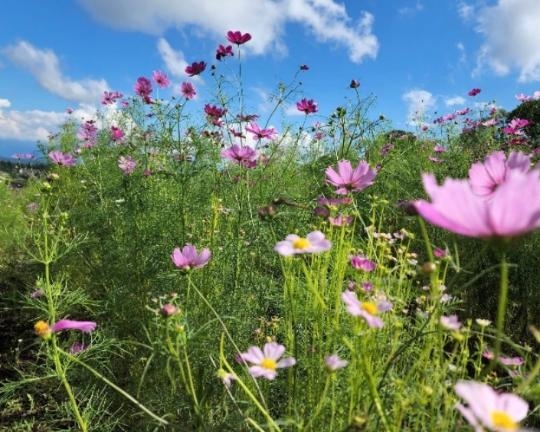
column 501, row 309
column 114, row 386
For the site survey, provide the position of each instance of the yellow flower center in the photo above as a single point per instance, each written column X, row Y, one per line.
column 501, row 419
column 370, row 308
column 42, row 329
column 301, row 243
column 269, row 363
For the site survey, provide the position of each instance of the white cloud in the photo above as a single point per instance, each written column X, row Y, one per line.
column 419, row 102
column 174, row 60
column 412, row 9
column 455, row 100
column 4, row 103
column 45, row 67
column 34, row 125
column 511, row 38
column 465, row 11
column 462, row 53
column 327, row 20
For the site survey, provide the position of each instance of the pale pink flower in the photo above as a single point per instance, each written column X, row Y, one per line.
column 188, row 90
column 361, row 262
column 485, row 177
column 161, row 79
column 450, row 322
column 168, row 310
column 314, row 242
column 348, row 179
column 512, row 210
column 333, row 362
column 340, row 220
column 187, row 258
column 265, row 362
column 62, row 159
column 439, row 253
column 242, row 155
column 498, row 412
column 127, row 164
column 77, row 347
column 65, row 324
column 366, row 310
column 255, row 129
column 226, row 377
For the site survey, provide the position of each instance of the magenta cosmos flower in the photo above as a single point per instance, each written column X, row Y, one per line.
column 238, row 38
column 255, row 129
column 307, row 106
column 513, row 208
column 195, row 68
column 265, row 362
column 161, row 78
column 366, row 310
column 223, row 51
column 62, row 159
column 187, row 258
column 349, row 179
column 361, row 262
column 214, row 111
column 314, row 242
column 485, row 177
column 127, row 164
column 242, row 155
column 498, row 412
column 188, row 90
column 82, row 326
column 474, row 92
column 143, row 88
column 117, row 134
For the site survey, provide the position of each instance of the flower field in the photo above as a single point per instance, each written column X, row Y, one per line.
column 173, row 270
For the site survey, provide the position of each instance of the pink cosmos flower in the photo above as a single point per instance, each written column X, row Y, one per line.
column 88, row 134
column 439, row 253
column 195, row 68
column 340, row 220
column 65, row 324
column 127, row 164
column 265, row 362
column 498, row 412
column 117, row 134
column 361, row 262
column 242, row 155
column 366, row 310
column 187, row 258
column 223, row 51
column 347, row 179
column 333, row 362
column 512, row 210
column 259, row 133
column 485, row 177
column 62, row 159
column 474, row 92
column 439, row 149
column 214, row 111
column 143, row 88
column 307, row 106
column 450, row 322
column 188, row 90
column 77, row 347
column 515, row 127
column 168, row 310
column 110, row 98
column 314, row 242
column 522, row 97
column 161, row 79
column 238, row 38
column 226, row 377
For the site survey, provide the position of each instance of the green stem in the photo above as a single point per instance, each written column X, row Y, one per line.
column 114, row 386
column 501, row 309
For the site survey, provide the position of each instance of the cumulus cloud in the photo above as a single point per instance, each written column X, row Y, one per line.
column 174, row 60
column 455, row 100
column 45, row 67
column 465, row 11
column 4, row 103
column 511, row 38
column 419, row 102
column 326, row 20
column 34, row 125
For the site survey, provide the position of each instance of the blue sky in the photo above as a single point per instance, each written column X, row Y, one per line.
column 412, row 55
